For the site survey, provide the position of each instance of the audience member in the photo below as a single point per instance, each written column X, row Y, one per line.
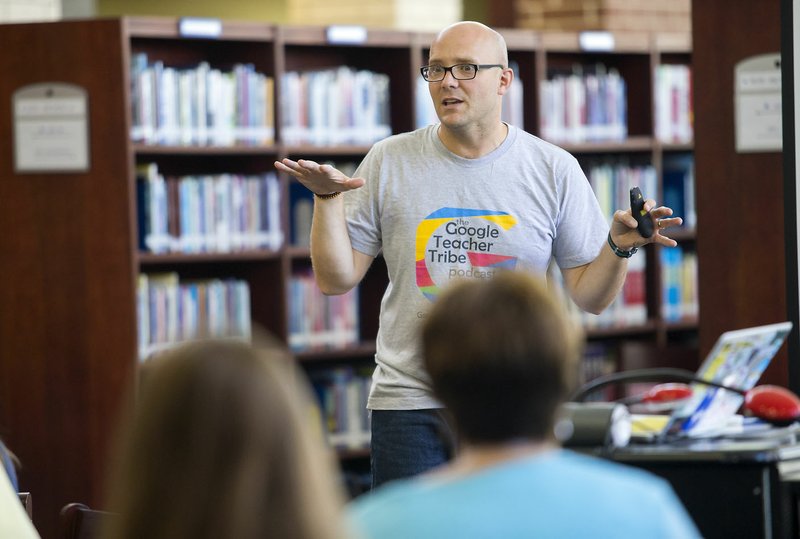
column 220, row 445
column 502, row 355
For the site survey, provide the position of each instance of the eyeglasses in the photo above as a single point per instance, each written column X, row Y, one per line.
column 459, row 71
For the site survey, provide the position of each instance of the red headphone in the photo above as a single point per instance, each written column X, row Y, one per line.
column 773, row 404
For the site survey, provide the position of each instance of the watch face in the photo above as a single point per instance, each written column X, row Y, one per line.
column 620, row 428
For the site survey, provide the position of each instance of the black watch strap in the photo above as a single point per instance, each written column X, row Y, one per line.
column 620, row 252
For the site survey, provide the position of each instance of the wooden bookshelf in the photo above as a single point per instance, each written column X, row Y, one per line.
column 742, row 223
column 68, row 326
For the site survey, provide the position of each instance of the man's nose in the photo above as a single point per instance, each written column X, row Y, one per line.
column 449, row 79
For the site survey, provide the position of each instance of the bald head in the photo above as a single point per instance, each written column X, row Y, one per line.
column 490, row 43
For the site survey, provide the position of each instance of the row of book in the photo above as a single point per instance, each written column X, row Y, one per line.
column 673, row 103
column 317, row 321
column 200, row 105
column 582, row 107
column 629, row 308
column 170, row 311
column 219, row 213
column 342, row 394
column 612, row 182
column 679, row 284
column 204, row 105
column 334, row 106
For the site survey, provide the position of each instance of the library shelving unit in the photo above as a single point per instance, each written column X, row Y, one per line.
column 70, row 336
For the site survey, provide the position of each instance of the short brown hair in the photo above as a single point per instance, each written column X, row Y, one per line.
column 220, row 445
column 502, row 355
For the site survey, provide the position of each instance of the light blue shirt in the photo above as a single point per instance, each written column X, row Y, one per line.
column 559, row 494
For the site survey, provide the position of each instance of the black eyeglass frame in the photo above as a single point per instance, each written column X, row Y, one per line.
column 477, row 67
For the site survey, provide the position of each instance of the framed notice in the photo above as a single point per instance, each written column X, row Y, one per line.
column 759, row 114
column 51, row 128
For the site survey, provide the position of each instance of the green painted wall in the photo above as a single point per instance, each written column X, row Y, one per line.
column 476, row 10
column 259, row 10
column 254, row 10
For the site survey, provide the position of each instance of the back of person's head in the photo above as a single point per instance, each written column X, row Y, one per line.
column 221, row 445
column 502, row 355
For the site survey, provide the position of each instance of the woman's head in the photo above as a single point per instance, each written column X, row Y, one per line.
column 221, row 446
column 502, row 355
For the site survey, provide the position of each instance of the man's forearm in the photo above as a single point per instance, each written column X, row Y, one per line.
column 331, row 252
column 595, row 286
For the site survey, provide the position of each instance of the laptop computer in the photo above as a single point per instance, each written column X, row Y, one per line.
column 737, row 359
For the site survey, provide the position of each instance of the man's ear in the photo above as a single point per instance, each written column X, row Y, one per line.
column 505, row 81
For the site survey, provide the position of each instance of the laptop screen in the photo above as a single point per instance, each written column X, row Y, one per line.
column 738, row 359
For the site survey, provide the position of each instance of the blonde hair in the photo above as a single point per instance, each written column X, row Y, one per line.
column 220, row 446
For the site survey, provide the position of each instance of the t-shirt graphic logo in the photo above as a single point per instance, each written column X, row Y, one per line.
column 460, row 242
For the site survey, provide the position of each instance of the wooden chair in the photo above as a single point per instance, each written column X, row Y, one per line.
column 80, row 522
column 27, row 502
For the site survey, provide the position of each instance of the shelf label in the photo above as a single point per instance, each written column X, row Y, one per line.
column 596, row 41
column 51, row 128
column 346, row 35
column 758, row 107
column 199, row 27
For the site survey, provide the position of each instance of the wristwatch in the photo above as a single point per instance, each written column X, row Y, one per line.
column 621, row 252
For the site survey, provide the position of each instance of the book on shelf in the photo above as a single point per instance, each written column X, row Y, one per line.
column 171, row 311
column 424, row 111
column 678, row 284
column 301, row 211
column 587, row 105
column 317, row 321
column 629, row 308
column 678, row 184
column 200, row 105
column 612, row 182
column 207, row 214
column 514, row 100
column 334, row 107
column 674, row 115
column 342, row 393
column 152, row 206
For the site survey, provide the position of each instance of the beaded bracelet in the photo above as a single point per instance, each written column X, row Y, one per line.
column 328, row 196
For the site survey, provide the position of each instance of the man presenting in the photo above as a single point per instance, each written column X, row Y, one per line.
column 463, row 198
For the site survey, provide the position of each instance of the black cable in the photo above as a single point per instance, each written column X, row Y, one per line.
column 646, row 375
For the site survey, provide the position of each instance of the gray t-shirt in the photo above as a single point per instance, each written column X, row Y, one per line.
column 437, row 216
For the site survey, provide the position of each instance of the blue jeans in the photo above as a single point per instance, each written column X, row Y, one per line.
column 408, row 442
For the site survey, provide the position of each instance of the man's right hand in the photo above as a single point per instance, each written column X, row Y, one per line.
column 320, row 179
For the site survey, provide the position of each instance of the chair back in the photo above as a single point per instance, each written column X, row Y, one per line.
column 80, row 522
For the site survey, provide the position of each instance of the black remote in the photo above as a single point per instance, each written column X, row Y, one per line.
column 642, row 217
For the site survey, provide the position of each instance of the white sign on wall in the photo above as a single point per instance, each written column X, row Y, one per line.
column 51, row 128
column 758, row 104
